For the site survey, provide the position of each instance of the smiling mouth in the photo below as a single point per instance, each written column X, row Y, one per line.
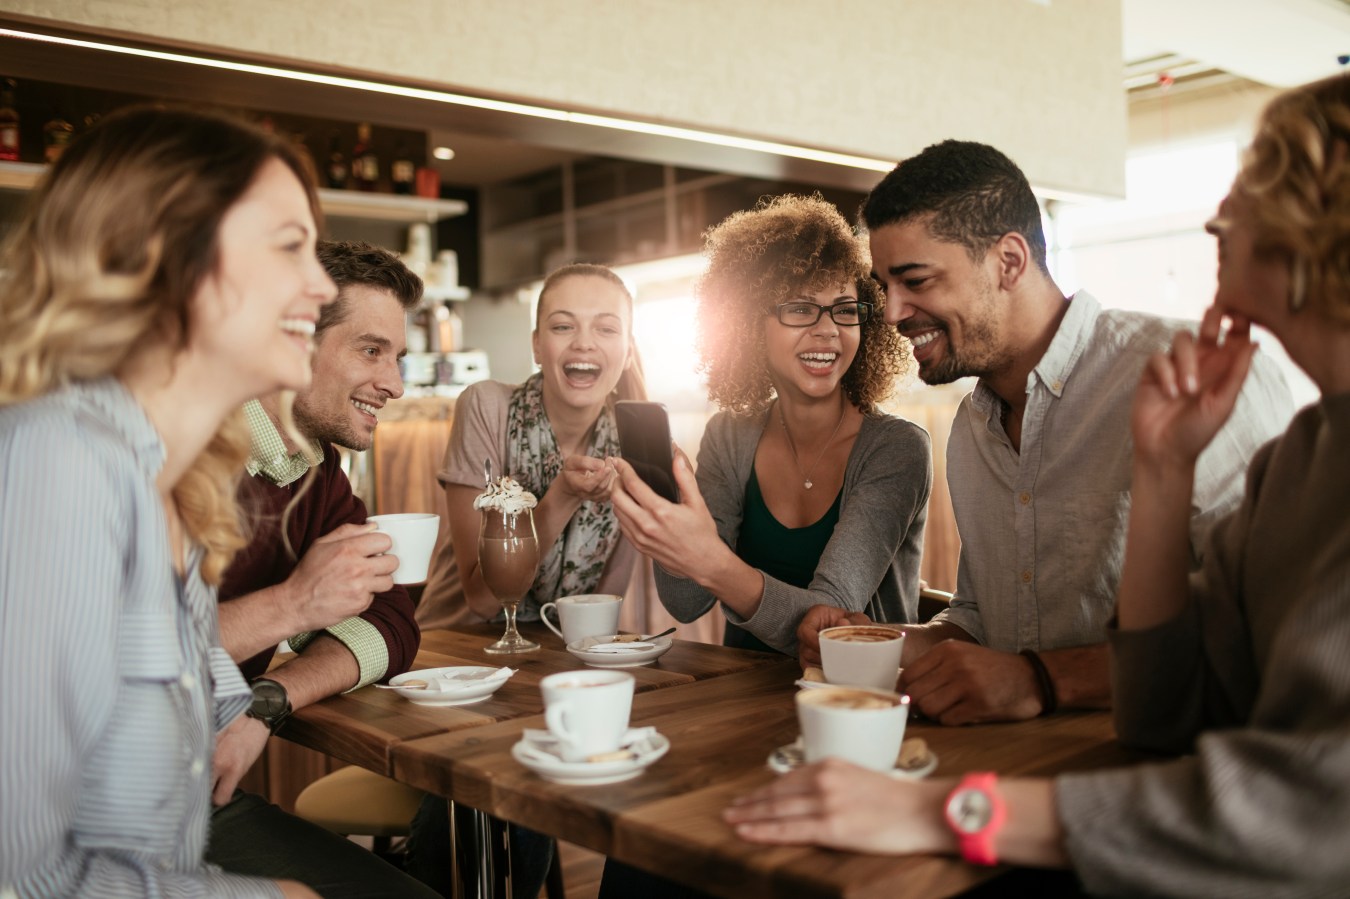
column 366, row 408
column 819, row 361
column 302, row 328
column 582, row 374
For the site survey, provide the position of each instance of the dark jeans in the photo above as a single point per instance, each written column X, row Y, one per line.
column 251, row 836
column 429, row 850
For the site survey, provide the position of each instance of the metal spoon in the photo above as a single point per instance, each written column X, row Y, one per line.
column 487, row 471
column 665, row 633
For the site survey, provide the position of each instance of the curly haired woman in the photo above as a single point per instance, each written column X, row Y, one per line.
column 805, row 492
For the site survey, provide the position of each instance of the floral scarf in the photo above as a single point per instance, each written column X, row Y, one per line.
column 576, row 560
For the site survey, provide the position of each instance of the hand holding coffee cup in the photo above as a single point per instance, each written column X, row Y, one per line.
column 587, row 711
column 862, row 726
column 414, row 537
column 586, row 615
column 862, row 655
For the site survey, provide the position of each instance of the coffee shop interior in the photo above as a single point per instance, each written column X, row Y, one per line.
column 490, row 143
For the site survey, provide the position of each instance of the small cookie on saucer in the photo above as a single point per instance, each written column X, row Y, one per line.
column 618, row 755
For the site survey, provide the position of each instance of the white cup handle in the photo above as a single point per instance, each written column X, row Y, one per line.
column 543, row 616
column 554, row 715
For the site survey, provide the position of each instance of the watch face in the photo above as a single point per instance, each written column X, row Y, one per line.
column 269, row 698
column 970, row 810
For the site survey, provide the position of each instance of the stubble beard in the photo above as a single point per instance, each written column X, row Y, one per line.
column 329, row 428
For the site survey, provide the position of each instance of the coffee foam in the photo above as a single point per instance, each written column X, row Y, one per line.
column 863, row 634
column 841, row 698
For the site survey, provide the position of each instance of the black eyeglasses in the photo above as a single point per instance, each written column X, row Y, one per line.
column 801, row 314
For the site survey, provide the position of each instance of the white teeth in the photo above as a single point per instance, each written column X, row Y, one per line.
column 364, row 407
column 581, row 366
column 923, row 339
column 298, row 326
column 818, row 360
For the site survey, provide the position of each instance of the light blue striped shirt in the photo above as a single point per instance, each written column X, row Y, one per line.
column 1043, row 528
column 114, row 680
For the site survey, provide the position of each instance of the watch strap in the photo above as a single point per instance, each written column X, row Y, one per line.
column 978, row 846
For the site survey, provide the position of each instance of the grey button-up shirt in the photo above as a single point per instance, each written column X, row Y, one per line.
column 1043, row 530
column 115, row 682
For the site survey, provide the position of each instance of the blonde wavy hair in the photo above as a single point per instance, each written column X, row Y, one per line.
column 111, row 250
column 785, row 247
column 1296, row 179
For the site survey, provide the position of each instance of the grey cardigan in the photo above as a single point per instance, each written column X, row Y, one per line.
column 871, row 563
column 1253, row 678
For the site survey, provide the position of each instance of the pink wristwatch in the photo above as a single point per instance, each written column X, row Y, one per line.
column 975, row 813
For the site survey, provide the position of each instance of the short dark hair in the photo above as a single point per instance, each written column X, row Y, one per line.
column 351, row 262
column 972, row 194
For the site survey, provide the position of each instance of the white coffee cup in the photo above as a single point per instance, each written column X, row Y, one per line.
column 586, row 615
column 587, row 711
column 414, row 537
column 859, row 725
column 862, row 655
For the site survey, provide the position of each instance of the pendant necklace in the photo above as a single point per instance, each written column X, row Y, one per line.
column 806, row 475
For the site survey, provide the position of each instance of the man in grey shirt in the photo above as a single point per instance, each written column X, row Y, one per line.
column 1039, row 457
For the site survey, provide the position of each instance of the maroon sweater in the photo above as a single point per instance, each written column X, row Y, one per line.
column 328, row 503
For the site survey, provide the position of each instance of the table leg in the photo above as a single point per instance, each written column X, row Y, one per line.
column 480, row 847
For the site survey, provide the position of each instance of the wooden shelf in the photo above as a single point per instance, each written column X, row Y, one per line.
column 388, row 207
column 336, row 203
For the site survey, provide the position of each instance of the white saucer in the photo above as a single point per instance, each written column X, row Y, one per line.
column 632, row 658
column 785, row 758
column 454, row 693
column 537, row 750
column 805, row 684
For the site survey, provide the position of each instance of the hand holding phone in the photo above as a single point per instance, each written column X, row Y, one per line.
column 644, row 442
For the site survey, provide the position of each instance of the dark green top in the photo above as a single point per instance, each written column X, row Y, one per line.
column 788, row 554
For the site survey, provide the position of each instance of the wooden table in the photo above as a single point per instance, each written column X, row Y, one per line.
column 724, row 711
column 722, row 730
column 363, row 727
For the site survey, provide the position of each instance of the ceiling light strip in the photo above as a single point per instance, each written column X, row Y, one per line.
column 435, row 96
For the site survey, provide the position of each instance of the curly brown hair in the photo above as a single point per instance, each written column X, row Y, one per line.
column 785, row 247
column 1297, row 176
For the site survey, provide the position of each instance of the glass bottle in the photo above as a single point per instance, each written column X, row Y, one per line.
column 9, row 122
column 335, row 173
column 402, row 171
column 365, row 162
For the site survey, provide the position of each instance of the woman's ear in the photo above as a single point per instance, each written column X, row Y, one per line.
column 534, row 345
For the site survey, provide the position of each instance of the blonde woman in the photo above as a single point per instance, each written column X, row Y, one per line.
column 164, row 273
column 1244, row 668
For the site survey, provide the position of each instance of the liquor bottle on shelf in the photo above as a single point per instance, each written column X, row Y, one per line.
column 56, row 135
column 301, row 147
column 9, row 122
column 335, row 173
column 402, row 172
column 365, row 162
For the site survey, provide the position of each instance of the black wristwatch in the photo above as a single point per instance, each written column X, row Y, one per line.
column 270, row 705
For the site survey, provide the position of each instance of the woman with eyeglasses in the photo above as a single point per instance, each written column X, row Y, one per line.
column 806, row 493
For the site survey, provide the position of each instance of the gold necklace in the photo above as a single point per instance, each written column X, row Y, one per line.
column 806, row 475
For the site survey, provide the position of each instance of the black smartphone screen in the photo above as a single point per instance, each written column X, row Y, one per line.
column 644, row 441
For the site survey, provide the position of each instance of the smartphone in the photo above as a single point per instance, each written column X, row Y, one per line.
column 644, row 442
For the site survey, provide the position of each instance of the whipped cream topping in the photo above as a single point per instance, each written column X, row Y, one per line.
column 506, row 496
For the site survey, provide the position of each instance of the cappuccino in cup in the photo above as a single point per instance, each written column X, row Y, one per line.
column 862, row 655
column 862, row 726
column 587, row 711
column 587, row 615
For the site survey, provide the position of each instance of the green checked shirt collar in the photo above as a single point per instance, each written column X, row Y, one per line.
column 269, row 457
